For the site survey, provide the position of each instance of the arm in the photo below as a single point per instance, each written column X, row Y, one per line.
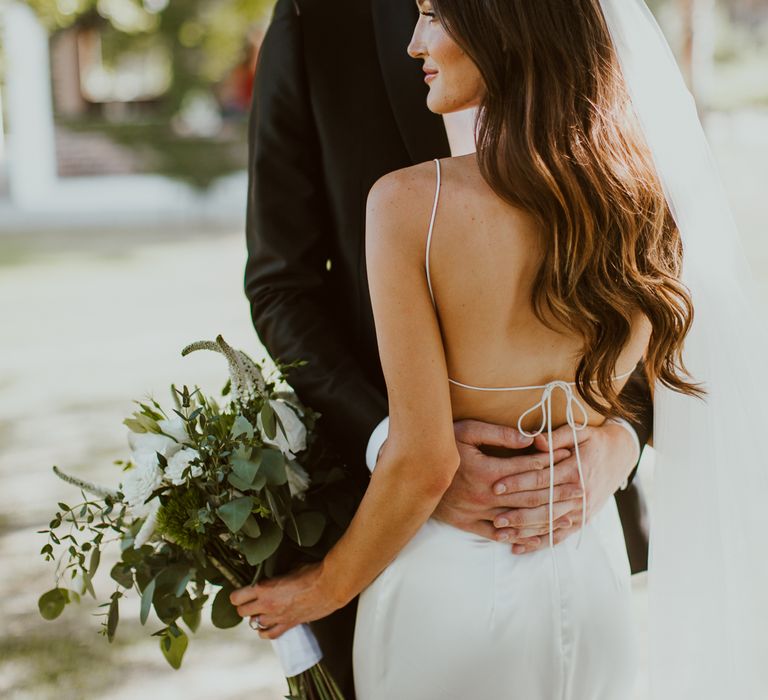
column 419, row 458
column 290, row 240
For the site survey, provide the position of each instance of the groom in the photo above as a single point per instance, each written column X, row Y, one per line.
column 338, row 103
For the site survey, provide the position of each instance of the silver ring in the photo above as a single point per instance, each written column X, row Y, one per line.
column 258, row 625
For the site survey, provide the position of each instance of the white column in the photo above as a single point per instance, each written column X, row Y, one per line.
column 29, row 108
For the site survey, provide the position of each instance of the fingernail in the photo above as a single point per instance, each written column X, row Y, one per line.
column 502, row 522
column 518, row 549
column 579, row 493
column 503, row 537
column 499, row 489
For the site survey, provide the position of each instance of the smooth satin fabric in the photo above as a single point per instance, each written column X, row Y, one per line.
column 459, row 617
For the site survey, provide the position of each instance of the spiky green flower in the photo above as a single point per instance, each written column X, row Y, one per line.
column 182, row 518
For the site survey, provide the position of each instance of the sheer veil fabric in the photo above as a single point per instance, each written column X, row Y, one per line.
column 708, row 574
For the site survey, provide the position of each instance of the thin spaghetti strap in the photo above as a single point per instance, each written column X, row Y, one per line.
column 431, row 228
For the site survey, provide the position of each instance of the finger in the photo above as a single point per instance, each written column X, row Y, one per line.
column 243, row 595
column 519, row 535
column 250, row 609
column 534, row 544
column 521, row 518
column 522, row 464
column 275, row 632
column 533, row 499
column 565, row 472
column 476, row 433
column 264, row 620
column 562, row 437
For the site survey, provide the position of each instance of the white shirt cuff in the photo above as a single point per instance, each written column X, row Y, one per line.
column 628, row 427
column 377, row 439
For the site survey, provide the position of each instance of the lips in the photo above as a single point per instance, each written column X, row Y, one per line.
column 430, row 74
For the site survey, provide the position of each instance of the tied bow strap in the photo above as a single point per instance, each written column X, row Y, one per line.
column 545, row 406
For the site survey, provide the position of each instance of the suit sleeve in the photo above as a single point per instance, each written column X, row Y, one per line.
column 290, row 238
column 637, row 394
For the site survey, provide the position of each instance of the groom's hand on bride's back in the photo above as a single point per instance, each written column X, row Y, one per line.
column 505, row 498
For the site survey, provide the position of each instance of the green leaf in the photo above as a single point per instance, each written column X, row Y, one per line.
column 94, row 564
column 242, row 426
column 113, row 617
column 258, row 549
column 146, row 600
column 173, row 644
column 122, row 574
column 236, row 512
column 134, row 426
column 268, row 421
column 52, row 603
column 251, row 527
column 223, row 613
column 273, row 467
column 245, row 468
column 238, row 483
column 307, row 528
column 192, row 618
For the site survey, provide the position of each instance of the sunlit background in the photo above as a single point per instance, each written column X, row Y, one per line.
column 122, row 201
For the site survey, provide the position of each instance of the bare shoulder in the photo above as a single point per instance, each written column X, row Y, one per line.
column 399, row 206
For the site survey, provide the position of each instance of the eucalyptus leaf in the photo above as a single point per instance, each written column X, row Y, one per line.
column 242, row 426
column 113, row 617
column 122, row 574
column 306, row 528
column 52, row 603
column 94, row 563
column 192, row 618
column 268, row 421
column 146, row 600
column 235, row 512
column 251, row 527
column 245, row 468
column 223, row 613
column 173, row 644
column 238, row 483
column 273, row 467
column 258, row 549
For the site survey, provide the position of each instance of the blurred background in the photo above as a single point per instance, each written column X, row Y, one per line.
column 122, row 205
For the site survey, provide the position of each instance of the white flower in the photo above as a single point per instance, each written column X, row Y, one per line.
column 167, row 445
column 291, row 437
column 148, row 527
column 140, row 482
column 298, row 479
column 179, row 462
column 175, row 427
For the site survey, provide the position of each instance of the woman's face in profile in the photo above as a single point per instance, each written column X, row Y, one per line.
column 454, row 80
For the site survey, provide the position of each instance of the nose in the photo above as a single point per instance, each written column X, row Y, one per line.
column 416, row 48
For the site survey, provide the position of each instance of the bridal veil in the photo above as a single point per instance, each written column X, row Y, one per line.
column 708, row 574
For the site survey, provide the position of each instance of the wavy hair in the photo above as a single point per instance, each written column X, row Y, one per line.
column 557, row 136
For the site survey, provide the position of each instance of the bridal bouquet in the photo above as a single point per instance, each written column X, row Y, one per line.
column 212, row 497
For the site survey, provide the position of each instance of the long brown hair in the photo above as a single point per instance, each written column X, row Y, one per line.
column 557, row 136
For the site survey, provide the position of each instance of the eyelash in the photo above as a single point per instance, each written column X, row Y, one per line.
column 431, row 15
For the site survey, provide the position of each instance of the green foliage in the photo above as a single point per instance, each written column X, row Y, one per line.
column 234, row 519
column 182, row 518
column 224, row 614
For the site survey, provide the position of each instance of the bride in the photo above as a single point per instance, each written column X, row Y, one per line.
column 522, row 285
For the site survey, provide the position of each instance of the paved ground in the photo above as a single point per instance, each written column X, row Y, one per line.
column 91, row 321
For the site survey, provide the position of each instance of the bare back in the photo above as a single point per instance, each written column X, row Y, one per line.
column 483, row 256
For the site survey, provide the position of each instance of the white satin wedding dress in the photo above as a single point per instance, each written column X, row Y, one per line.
column 459, row 617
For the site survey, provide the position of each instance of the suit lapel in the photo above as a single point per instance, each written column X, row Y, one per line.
column 423, row 131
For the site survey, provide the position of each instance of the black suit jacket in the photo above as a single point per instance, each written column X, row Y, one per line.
column 337, row 104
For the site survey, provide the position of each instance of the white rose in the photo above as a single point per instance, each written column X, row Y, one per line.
column 291, row 437
column 179, row 462
column 140, row 481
